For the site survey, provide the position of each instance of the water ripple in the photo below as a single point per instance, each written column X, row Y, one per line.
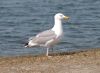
column 20, row 19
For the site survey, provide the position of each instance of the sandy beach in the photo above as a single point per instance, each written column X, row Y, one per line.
column 75, row 62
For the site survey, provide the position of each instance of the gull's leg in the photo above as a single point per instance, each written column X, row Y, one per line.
column 47, row 52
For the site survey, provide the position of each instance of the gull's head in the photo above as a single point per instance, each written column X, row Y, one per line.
column 61, row 16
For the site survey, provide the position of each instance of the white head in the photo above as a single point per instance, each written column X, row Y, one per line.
column 58, row 23
column 60, row 16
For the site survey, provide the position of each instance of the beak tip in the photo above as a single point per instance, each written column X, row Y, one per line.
column 66, row 17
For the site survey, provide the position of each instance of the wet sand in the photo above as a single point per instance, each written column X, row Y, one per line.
column 75, row 62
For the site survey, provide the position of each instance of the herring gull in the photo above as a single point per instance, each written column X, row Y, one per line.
column 49, row 37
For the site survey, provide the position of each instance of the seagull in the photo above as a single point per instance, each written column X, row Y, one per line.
column 51, row 37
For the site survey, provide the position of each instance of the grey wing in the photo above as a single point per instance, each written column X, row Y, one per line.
column 46, row 33
column 43, row 37
column 42, row 40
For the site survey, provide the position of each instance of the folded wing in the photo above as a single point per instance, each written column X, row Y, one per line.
column 42, row 38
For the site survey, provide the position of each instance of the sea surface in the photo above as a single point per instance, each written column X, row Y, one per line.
column 21, row 19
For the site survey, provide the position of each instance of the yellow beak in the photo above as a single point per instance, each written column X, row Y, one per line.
column 66, row 17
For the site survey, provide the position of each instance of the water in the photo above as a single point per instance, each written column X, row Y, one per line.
column 20, row 19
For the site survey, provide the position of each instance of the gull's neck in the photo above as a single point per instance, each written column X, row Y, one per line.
column 58, row 29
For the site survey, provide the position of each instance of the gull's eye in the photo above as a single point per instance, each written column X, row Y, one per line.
column 61, row 15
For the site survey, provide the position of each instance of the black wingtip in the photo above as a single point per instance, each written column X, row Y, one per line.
column 26, row 45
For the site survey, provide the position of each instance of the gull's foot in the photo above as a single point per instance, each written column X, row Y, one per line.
column 49, row 56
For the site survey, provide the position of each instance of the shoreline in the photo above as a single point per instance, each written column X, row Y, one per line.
column 87, row 61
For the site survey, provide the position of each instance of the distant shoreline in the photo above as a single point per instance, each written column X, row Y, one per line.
column 54, row 53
